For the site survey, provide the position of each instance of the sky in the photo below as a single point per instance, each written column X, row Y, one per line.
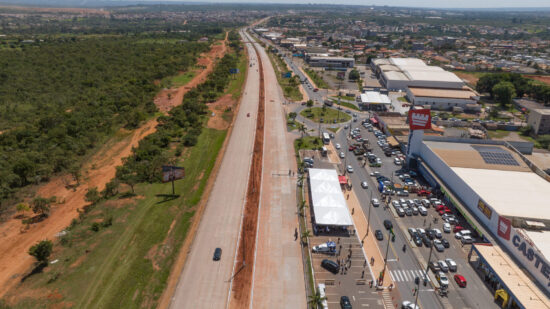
column 416, row 3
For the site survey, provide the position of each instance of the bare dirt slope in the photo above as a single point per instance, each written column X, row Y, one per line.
column 15, row 262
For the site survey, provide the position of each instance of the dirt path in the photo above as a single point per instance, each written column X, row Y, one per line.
column 168, row 98
column 14, row 259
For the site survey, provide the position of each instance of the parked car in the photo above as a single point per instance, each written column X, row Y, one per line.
column 445, row 243
column 331, row 266
column 446, row 227
column 439, row 246
column 457, row 228
column 462, row 233
column 460, row 280
column 387, row 224
column 217, row 254
column 400, row 211
column 345, row 303
column 417, row 241
column 466, row 240
column 451, row 263
column 427, row 242
column 423, row 211
column 403, row 193
column 443, row 266
column 437, row 233
column 434, row 267
column 442, row 278
column 379, row 235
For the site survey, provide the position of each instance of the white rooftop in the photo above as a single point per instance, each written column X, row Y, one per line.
column 374, row 97
column 329, row 204
column 510, row 193
column 395, row 75
column 440, row 76
column 540, row 240
column 407, row 61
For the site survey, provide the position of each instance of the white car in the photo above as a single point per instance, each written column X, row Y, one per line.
column 443, row 280
column 337, row 146
column 409, row 305
column 466, row 239
column 365, row 185
column 446, row 227
column 423, row 211
column 463, row 233
column 342, row 155
column 375, row 174
column 397, row 161
column 350, row 169
column 375, row 202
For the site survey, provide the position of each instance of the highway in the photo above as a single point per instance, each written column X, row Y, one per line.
column 205, row 283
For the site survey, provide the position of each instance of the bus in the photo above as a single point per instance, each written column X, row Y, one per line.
column 326, row 138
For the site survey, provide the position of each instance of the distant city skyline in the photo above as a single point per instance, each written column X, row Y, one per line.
column 407, row 3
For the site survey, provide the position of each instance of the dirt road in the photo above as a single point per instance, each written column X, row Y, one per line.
column 205, row 283
column 14, row 259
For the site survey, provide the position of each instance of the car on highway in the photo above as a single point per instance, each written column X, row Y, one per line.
column 451, row 263
column 442, row 278
column 217, row 254
column 387, row 224
column 342, row 155
column 446, row 227
column 379, row 235
column 337, row 146
column 345, row 303
column 331, row 266
column 364, row 185
column 375, row 202
column 349, row 169
column 439, row 246
column 460, row 280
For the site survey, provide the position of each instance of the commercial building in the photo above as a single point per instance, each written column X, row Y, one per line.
column 539, row 120
column 374, row 100
column 331, row 62
column 327, row 200
column 400, row 73
column 464, row 98
column 506, row 199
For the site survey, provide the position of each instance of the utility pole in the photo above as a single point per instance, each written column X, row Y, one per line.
column 386, row 257
column 425, row 273
column 368, row 218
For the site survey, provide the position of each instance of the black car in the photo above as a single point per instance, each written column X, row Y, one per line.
column 378, row 234
column 445, row 242
column 430, row 234
column 417, row 241
column 217, row 254
column 331, row 266
column 387, row 224
column 427, row 242
column 345, row 303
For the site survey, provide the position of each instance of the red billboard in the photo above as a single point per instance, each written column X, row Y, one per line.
column 504, row 227
column 420, row 119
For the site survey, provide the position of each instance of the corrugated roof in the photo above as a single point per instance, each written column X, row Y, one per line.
column 375, row 97
column 395, row 75
column 441, row 76
column 442, row 93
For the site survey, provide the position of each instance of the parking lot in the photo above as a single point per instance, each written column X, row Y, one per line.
column 408, row 262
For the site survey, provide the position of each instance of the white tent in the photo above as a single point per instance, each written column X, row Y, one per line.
column 329, row 204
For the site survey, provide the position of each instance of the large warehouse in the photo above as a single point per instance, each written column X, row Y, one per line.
column 400, row 73
column 444, row 98
column 506, row 199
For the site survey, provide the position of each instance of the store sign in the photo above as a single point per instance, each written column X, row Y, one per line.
column 538, row 262
column 504, row 227
column 420, row 119
column 485, row 209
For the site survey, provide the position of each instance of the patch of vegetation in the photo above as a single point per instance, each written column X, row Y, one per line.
column 316, row 78
column 328, row 115
column 333, row 129
column 179, row 80
column 289, row 85
column 349, row 105
column 504, row 86
column 308, row 142
column 497, row 134
column 403, row 99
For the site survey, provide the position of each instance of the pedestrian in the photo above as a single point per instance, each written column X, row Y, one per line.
column 289, row 172
column 424, row 222
column 372, row 260
column 347, row 197
column 338, row 240
column 352, row 211
column 362, row 274
column 365, row 263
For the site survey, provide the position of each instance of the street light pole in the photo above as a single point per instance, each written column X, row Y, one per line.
column 368, row 218
column 425, row 273
column 386, row 257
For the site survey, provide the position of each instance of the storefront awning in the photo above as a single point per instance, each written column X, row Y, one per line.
column 373, row 120
column 343, row 180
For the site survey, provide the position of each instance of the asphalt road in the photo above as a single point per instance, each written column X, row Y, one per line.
column 404, row 266
column 205, row 283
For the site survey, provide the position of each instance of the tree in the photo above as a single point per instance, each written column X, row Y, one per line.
column 111, row 188
column 354, row 75
column 302, row 207
column 309, row 103
column 504, row 92
column 305, row 235
column 127, row 176
column 41, row 205
column 42, row 251
column 92, row 196
column 292, row 115
column 315, row 300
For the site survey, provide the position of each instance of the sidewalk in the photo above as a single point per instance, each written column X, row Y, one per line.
column 370, row 244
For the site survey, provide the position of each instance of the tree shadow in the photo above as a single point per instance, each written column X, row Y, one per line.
column 36, row 270
column 167, row 197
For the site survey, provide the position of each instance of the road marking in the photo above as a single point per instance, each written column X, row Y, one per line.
column 406, row 275
column 392, row 260
column 391, row 275
column 388, row 301
column 353, row 297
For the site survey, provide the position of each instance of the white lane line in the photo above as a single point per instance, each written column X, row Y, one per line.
column 397, row 275
column 391, row 275
column 406, row 275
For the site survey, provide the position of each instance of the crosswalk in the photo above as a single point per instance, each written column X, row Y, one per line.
column 401, row 275
column 388, row 301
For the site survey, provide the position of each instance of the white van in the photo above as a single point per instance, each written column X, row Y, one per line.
column 321, row 287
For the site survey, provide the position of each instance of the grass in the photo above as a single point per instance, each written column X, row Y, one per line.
column 291, row 124
column 334, row 130
column 236, row 85
column 182, row 79
column 328, row 114
column 498, row 133
column 316, row 78
column 117, row 269
column 308, row 142
column 403, row 99
column 344, row 97
column 290, row 90
column 349, row 105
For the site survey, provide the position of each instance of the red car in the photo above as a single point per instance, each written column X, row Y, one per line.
column 457, row 228
column 461, row 281
column 424, row 192
column 351, row 148
column 316, row 89
column 439, row 207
